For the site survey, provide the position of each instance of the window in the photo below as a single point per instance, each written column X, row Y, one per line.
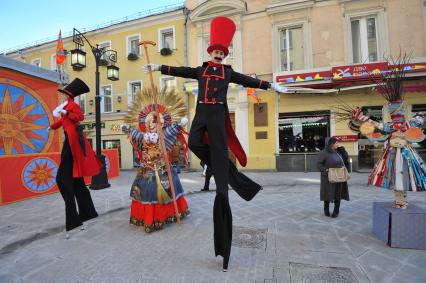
column 134, row 87
column 229, row 60
column 133, row 45
column 105, row 46
column 53, row 62
column 81, row 100
column 421, row 146
column 169, row 82
column 364, row 40
column 291, row 48
column 106, row 102
column 37, row 62
column 369, row 152
column 303, row 131
column 167, row 38
column 206, row 42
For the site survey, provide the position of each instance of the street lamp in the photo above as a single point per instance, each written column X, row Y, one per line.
column 78, row 60
column 112, row 72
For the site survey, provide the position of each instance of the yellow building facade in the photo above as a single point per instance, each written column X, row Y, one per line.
column 289, row 42
column 165, row 28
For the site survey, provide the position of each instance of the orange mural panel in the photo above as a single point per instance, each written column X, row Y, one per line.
column 29, row 154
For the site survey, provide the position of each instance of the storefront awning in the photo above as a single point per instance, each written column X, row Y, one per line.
column 341, row 78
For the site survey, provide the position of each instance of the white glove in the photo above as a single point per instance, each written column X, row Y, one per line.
column 279, row 88
column 63, row 111
column 48, row 128
column 125, row 128
column 57, row 110
column 154, row 68
column 183, row 122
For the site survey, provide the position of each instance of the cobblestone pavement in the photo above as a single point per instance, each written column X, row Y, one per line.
column 279, row 236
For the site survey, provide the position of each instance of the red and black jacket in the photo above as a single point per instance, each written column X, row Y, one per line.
column 213, row 80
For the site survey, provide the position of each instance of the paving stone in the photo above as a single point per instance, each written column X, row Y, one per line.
column 283, row 225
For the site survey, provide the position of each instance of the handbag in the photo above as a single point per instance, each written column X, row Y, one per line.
column 338, row 175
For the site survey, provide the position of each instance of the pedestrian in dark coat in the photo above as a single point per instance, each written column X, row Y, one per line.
column 332, row 192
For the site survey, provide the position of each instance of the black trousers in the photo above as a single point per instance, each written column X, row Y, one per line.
column 73, row 189
column 211, row 118
column 207, row 178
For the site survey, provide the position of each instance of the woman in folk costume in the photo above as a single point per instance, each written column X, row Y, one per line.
column 77, row 158
column 152, row 203
column 211, row 132
column 400, row 168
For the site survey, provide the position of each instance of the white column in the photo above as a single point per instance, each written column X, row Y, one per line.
column 241, row 120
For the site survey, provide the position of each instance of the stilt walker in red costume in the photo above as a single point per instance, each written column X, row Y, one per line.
column 77, row 158
column 211, row 132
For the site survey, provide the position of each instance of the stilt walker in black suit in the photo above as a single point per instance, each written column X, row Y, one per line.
column 212, row 117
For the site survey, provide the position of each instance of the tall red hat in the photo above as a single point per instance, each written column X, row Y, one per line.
column 222, row 31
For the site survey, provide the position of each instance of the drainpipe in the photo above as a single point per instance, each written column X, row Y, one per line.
column 185, row 54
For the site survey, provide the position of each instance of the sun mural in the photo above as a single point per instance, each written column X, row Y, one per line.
column 39, row 174
column 24, row 117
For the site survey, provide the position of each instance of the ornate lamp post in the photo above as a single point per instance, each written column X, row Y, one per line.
column 78, row 61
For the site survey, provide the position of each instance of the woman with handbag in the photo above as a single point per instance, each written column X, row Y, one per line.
column 334, row 176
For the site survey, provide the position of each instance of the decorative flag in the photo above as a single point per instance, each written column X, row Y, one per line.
column 251, row 92
column 60, row 52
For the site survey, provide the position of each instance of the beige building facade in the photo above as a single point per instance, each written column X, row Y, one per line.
column 308, row 43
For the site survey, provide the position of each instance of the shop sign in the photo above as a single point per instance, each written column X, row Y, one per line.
column 115, row 127
column 359, row 71
column 90, row 126
column 347, row 138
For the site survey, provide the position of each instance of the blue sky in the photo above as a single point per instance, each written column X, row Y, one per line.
column 26, row 21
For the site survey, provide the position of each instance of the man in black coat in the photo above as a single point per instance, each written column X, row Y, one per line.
column 211, row 132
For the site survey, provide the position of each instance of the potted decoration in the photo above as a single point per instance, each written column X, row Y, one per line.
column 132, row 57
column 165, row 51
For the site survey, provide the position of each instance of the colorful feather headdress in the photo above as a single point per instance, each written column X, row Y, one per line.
column 171, row 108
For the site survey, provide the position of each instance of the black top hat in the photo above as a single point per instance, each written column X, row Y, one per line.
column 75, row 88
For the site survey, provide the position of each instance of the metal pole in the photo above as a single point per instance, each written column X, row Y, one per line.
column 98, row 111
column 99, row 181
column 306, row 164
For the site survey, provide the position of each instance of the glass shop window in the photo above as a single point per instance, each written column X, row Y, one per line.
column 303, row 131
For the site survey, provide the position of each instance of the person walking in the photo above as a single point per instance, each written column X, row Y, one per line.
column 332, row 157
